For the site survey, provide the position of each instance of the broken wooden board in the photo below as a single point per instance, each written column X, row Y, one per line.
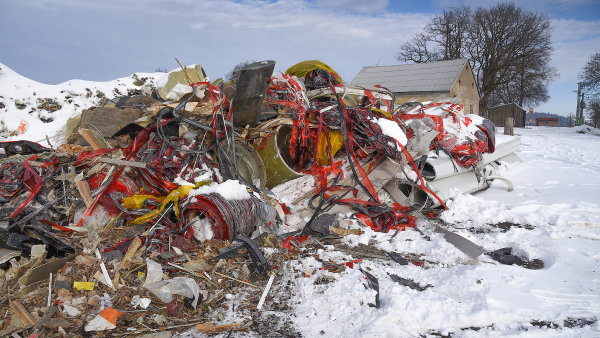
column 121, row 162
column 93, row 139
column 22, row 313
column 42, row 272
column 84, row 190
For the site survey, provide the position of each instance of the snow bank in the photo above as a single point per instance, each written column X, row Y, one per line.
column 44, row 109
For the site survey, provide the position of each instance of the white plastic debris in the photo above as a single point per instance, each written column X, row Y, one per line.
column 104, row 271
column 71, row 310
column 265, row 292
column 154, row 272
column 141, row 302
column 165, row 289
column 177, row 251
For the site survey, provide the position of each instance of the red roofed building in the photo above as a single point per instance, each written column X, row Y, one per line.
column 546, row 121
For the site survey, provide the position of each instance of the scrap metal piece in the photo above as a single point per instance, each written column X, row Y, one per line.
column 278, row 163
column 409, row 283
column 466, row 246
column 503, row 256
column 373, row 284
column 257, row 256
column 251, row 87
column 398, row 258
column 9, row 148
column 319, row 227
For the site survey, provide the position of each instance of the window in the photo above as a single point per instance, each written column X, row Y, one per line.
column 471, row 109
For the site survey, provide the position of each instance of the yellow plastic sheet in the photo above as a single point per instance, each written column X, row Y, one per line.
column 302, row 68
column 89, row 286
column 335, row 140
column 137, row 201
column 383, row 112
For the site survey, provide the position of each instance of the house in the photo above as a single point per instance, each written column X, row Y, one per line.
column 546, row 121
column 498, row 114
column 432, row 81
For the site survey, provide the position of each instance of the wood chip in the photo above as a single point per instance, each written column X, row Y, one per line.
column 210, row 328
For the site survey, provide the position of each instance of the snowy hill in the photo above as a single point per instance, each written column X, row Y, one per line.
column 31, row 110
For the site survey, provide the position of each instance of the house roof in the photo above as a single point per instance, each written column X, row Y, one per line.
column 417, row 77
column 507, row 104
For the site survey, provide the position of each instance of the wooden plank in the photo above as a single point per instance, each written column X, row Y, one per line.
column 210, row 328
column 90, row 137
column 84, row 191
column 121, row 162
column 22, row 313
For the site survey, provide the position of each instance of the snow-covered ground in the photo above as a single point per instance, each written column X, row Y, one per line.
column 554, row 211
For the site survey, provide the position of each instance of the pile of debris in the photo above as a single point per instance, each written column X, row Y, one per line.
column 144, row 220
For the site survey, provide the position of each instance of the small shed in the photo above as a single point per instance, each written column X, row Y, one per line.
column 499, row 114
column 546, row 121
column 429, row 81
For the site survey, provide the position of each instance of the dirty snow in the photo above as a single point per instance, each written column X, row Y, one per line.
column 556, row 209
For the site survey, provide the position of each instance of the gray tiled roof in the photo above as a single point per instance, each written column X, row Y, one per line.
column 417, row 77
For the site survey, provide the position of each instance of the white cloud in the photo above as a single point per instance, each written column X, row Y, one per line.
column 574, row 30
column 574, row 41
column 359, row 6
column 222, row 33
column 290, row 31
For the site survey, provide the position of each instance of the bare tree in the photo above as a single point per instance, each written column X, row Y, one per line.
column 590, row 75
column 531, row 69
column 417, row 50
column 449, row 32
column 509, row 49
column 593, row 110
column 443, row 39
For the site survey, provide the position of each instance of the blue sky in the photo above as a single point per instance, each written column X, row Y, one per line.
column 53, row 41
